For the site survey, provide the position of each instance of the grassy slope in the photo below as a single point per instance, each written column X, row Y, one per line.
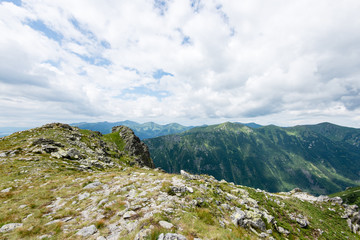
column 271, row 158
column 349, row 196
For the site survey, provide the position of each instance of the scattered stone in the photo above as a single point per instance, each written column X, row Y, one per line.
column 84, row 195
column 93, row 185
column 182, row 189
column 303, row 222
column 142, row 234
column 44, row 236
column 171, row 236
column 238, row 217
column 129, row 214
column 337, row 200
column 6, row 190
column 166, row 224
column 296, row 190
column 87, row 231
column 10, row 227
column 283, row 231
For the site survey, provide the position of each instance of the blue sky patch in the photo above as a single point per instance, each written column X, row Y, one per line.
column 161, row 5
column 158, row 74
column 105, row 44
column 16, row 2
column 81, row 29
column 98, row 61
column 53, row 63
column 40, row 26
column 186, row 41
column 195, row 4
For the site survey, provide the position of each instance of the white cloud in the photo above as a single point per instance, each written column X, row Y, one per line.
column 271, row 62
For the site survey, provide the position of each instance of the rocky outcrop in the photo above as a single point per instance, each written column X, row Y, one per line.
column 134, row 146
column 87, row 150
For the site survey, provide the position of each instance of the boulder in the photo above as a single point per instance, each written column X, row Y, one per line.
column 9, row 227
column 166, row 224
column 238, row 217
column 87, row 231
column 129, row 214
column 93, row 185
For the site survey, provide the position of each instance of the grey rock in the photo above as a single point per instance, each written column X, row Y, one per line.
column 2, row 154
column 303, row 222
column 10, row 226
column 189, row 176
column 337, row 200
column 87, row 231
column 263, row 235
column 142, row 234
column 129, row 214
column 6, row 190
column 84, row 195
column 134, row 146
column 238, row 217
column 323, row 198
column 182, row 189
column 283, row 231
column 257, row 223
column 295, row 190
column 73, row 154
column 93, row 185
column 166, row 224
column 44, row 236
column 171, row 236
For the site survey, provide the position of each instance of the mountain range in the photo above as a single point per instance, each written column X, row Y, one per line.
column 142, row 130
column 320, row 159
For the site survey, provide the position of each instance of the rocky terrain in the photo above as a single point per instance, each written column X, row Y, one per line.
column 61, row 182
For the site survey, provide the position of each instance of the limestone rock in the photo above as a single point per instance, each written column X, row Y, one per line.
column 238, row 217
column 84, row 195
column 129, row 214
column 171, row 236
column 166, row 224
column 87, row 231
column 6, row 190
column 134, row 146
column 9, row 227
column 93, row 185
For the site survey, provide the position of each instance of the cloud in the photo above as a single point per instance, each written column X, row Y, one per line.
column 272, row 62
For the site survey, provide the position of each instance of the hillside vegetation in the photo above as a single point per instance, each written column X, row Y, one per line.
column 320, row 159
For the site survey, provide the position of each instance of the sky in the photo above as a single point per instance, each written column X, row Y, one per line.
column 188, row 61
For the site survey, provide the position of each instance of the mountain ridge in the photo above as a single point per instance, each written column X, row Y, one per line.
column 270, row 157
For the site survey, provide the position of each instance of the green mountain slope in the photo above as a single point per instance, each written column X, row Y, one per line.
column 349, row 196
column 143, row 131
column 271, row 158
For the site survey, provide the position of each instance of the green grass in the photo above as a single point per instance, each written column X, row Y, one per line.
column 115, row 138
column 349, row 196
